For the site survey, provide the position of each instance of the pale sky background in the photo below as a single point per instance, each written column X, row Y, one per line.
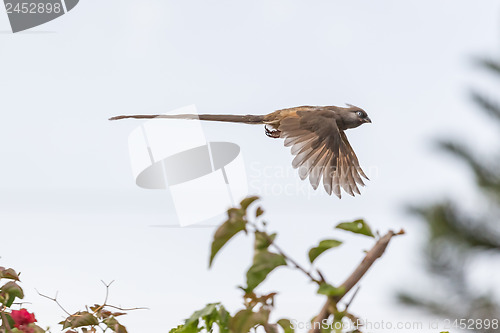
column 71, row 214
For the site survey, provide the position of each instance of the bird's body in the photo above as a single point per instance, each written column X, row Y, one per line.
column 316, row 135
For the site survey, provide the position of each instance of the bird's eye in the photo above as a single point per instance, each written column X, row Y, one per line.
column 360, row 114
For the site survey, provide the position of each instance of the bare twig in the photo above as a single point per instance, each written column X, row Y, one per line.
column 55, row 300
column 370, row 257
column 322, row 278
column 125, row 309
column 106, row 297
column 352, row 298
column 107, row 285
column 107, row 290
column 21, row 303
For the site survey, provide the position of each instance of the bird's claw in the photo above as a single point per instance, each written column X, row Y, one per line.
column 275, row 134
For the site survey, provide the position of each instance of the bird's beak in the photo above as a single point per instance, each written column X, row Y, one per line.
column 368, row 120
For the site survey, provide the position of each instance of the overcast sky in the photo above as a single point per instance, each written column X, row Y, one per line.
column 72, row 215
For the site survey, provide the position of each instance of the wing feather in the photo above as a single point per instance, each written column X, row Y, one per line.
column 322, row 151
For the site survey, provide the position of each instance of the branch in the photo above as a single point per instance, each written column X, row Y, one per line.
column 125, row 309
column 352, row 298
column 294, row 263
column 105, row 298
column 107, row 289
column 284, row 255
column 54, row 299
column 372, row 255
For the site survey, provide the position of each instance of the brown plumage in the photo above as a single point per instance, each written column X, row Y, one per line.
column 317, row 139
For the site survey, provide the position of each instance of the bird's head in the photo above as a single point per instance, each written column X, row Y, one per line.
column 354, row 116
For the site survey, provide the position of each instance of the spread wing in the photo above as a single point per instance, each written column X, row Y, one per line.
column 322, row 151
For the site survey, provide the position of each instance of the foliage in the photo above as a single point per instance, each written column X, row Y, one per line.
column 358, row 227
column 268, row 257
column 97, row 317
column 10, row 292
column 101, row 317
column 257, row 307
column 458, row 239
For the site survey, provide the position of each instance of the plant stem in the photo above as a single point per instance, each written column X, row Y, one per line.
column 5, row 321
column 372, row 255
column 284, row 255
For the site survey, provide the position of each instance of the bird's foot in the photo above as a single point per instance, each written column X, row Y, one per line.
column 275, row 134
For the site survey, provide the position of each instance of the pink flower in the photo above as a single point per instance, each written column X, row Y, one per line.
column 23, row 318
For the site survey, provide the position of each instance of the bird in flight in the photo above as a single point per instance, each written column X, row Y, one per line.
column 316, row 136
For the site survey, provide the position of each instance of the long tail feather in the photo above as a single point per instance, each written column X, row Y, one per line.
column 247, row 119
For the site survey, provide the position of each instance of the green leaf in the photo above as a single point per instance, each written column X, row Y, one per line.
column 259, row 212
column 358, row 227
column 176, row 329
column 80, row 319
column 246, row 319
column 247, row 202
column 235, row 223
column 263, row 240
column 114, row 325
column 11, row 290
column 28, row 328
column 270, row 328
column 223, row 321
column 264, row 262
column 207, row 312
column 36, row 328
column 192, row 328
column 8, row 273
column 322, row 247
column 210, row 314
column 11, row 321
column 329, row 290
column 286, row 325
